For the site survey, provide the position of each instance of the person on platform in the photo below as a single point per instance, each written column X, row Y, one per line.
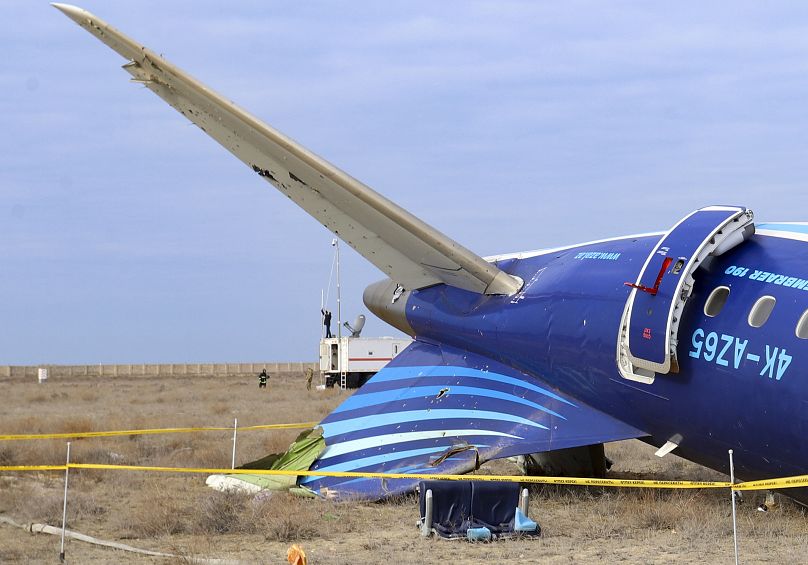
column 327, row 322
column 263, row 378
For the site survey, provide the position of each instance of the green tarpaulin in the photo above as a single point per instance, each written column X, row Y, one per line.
column 299, row 457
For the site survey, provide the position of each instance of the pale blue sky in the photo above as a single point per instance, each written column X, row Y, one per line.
column 127, row 235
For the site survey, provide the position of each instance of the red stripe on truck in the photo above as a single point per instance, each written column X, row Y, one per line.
column 370, row 358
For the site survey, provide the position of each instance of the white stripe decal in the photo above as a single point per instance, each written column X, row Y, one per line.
column 389, row 439
column 783, row 234
column 720, row 209
column 385, row 458
column 414, row 417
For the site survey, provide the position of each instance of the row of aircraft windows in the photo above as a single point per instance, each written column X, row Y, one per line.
column 758, row 315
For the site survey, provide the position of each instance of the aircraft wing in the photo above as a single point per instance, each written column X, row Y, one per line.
column 405, row 248
column 437, row 409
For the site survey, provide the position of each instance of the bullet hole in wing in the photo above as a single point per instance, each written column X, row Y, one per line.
column 295, row 177
column 263, row 173
column 443, row 392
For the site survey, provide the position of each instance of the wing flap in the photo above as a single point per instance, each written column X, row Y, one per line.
column 405, row 248
column 435, row 409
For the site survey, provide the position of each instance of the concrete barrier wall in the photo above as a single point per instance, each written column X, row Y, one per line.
column 163, row 369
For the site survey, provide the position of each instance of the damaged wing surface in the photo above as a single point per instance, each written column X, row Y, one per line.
column 405, row 248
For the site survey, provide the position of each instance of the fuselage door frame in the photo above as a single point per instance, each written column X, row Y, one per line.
column 649, row 327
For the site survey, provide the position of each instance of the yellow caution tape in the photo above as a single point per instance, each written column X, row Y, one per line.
column 33, row 468
column 766, row 484
column 419, row 476
column 69, row 435
column 300, row 425
column 785, row 482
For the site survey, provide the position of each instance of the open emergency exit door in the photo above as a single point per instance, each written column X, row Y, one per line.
column 650, row 324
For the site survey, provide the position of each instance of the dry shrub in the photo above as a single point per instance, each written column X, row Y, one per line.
column 164, row 450
column 284, row 517
column 89, row 395
column 81, row 505
column 404, row 499
column 279, row 516
column 75, row 424
column 33, row 503
column 159, row 511
column 224, row 513
column 90, row 453
column 653, row 510
column 11, row 556
column 373, row 544
column 6, row 454
column 27, row 425
column 695, row 515
column 148, row 450
column 607, row 521
column 621, row 513
column 35, row 452
column 212, row 457
column 20, row 453
column 220, row 408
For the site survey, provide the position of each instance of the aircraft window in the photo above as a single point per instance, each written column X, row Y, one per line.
column 802, row 326
column 761, row 311
column 716, row 301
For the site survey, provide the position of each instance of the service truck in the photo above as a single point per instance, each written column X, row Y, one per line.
column 349, row 362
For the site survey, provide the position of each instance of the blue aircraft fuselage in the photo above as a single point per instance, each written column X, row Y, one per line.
column 738, row 387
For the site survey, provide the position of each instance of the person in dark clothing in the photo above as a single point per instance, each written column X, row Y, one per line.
column 262, row 379
column 327, row 322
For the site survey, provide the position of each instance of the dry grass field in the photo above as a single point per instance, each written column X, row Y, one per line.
column 178, row 514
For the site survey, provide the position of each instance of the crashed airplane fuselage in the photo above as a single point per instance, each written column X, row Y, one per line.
column 693, row 338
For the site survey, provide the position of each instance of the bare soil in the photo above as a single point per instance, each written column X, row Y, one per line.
column 178, row 514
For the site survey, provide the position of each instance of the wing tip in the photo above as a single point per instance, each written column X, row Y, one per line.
column 72, row 12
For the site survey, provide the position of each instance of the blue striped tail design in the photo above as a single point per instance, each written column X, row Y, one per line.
column 428, row 413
